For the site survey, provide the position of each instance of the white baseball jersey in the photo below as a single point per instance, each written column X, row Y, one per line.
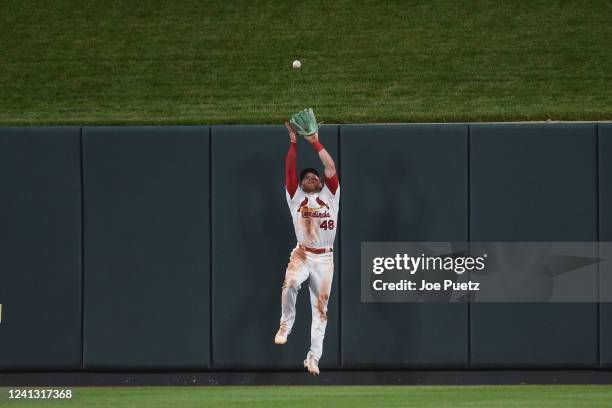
column 315, row 216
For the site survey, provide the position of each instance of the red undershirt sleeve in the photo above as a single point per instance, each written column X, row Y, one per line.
column 332, row 183
column 291, row 181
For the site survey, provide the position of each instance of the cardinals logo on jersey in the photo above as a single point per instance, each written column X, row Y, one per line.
column 308, row 212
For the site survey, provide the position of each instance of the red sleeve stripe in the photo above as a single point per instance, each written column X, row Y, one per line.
column 317, row 146
column 291, row 180
column 332, row 183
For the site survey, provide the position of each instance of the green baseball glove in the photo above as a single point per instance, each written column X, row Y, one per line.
column 304, row 122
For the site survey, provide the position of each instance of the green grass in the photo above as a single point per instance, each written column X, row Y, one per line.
column 207, row 62
column 541, row 396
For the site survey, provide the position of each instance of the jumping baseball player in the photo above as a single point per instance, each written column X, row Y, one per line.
column 314, row 208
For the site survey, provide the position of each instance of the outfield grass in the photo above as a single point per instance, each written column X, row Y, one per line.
column 206, row 62
column 554, row 396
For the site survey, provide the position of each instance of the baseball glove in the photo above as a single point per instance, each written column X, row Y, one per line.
column 304, row 122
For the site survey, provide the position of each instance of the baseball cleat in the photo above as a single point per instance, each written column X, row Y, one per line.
column 281, row 337
column 312, row 365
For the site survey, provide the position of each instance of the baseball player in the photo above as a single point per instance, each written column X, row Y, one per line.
column 314, row 205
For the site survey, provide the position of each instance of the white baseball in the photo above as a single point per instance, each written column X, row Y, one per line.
column 297, row 64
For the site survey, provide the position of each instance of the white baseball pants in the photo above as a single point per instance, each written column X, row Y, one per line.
column 320, row 269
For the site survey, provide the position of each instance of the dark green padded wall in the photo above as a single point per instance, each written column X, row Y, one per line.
column 40, row 248
column 147, row 248
column 147, row 240
column 533, row 182
column 402, row 183
column 605, row 235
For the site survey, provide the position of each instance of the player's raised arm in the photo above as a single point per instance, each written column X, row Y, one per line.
column 331, row 178
column 326, row 159
column 291, row 180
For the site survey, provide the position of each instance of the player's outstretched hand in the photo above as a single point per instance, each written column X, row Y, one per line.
column 292, row 135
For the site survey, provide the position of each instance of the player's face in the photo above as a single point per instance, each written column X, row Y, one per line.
column 311, row 183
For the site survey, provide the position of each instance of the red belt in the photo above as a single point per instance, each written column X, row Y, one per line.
column 316, row 250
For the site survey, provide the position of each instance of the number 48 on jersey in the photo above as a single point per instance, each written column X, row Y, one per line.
column 327, row 225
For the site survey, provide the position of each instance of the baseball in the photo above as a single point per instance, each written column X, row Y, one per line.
column 297, row 64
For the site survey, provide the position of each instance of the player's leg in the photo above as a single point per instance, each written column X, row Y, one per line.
column 321, row 276
column 295, row 275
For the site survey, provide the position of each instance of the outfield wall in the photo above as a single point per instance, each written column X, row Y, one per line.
column 164, row 248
